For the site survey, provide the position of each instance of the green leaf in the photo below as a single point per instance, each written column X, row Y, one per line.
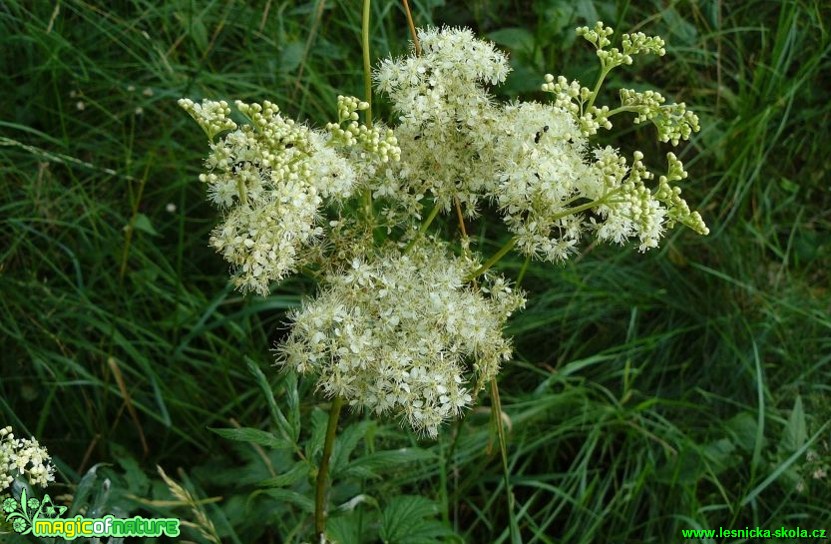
column 782, row 468
column 137, row 481
column 142, row 223
column 85, row 489
column 198, row 32
column 292, row 497
column 796, row 432
column 686, row 468
column 292, row 476
column 514, row 38
column 368, row 466
column 719, row 455
column 346, row 443
column 293, row 399
column 254, row 436
column 683, row 31
column 291, row 56
column 585, row 10
column 289, row 430
column 320, row 420
column 410, row 519
column 743, row 428
column 348, row 529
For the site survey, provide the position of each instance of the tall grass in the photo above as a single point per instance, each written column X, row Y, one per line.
column 688, row 388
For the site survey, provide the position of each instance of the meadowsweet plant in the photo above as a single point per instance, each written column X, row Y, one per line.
column 23, row 458
column 406, row 324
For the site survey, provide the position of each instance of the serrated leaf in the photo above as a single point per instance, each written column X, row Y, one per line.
column 346, row 443
column 292, row 497
column 348, row 529
column 315, row 444
column 410, row 519
column 368, row 466
column 253, row 436
column 796, row 431
column 296, row 473
column 290, row 431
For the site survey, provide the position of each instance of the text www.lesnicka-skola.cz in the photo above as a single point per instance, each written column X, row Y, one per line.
column 756, row 532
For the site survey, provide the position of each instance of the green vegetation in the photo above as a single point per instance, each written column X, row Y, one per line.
column 686, row 388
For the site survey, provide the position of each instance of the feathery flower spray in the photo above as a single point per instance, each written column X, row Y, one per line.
column 403, row 324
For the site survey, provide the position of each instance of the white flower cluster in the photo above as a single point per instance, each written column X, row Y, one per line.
column 403, row 334
column 25, row 458
column 443, row 103
column 533, row 160
column 272, row 176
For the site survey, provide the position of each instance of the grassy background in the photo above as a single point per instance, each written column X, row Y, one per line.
column 686, row 388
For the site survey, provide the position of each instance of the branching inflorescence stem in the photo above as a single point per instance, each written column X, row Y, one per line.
column 423, row 228
column 509, row 245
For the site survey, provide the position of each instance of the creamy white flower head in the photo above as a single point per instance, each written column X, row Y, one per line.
column 453, row 63
column 402, row 334
column 539, row 154
column 442, row 100
column 265, row 243
column 24, row 458
column 272, row 177
column 407, row 332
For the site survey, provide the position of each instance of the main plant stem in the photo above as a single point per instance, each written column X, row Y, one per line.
column 323, row 472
